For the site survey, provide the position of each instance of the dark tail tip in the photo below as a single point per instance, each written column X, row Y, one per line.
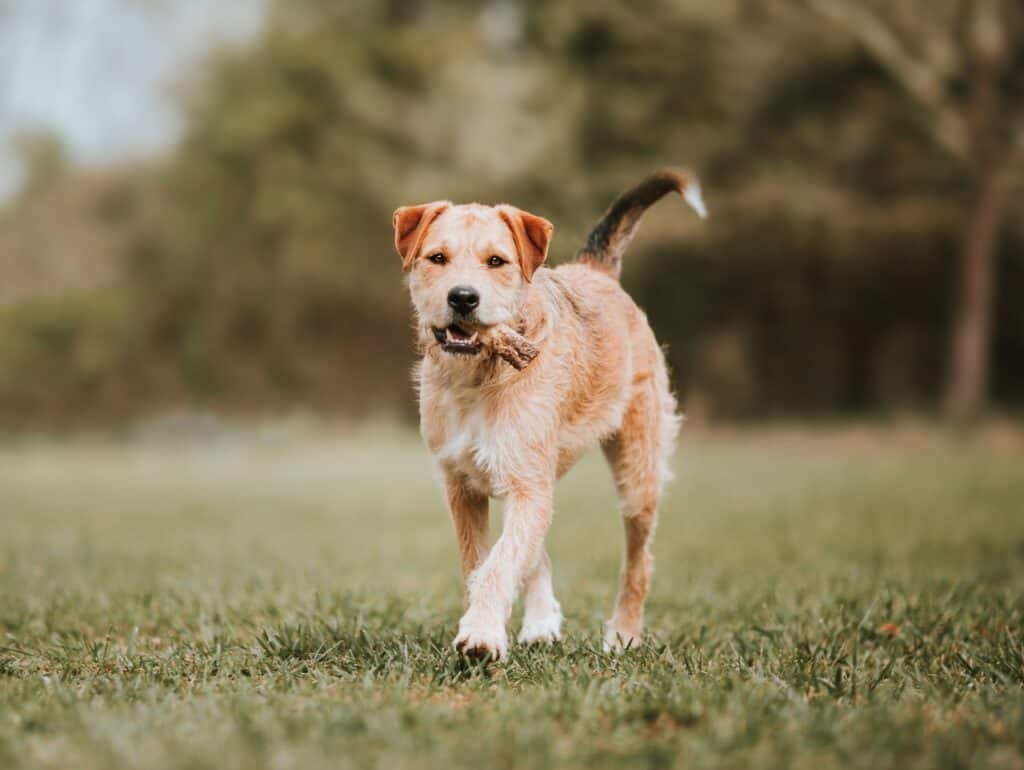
column 607, row 242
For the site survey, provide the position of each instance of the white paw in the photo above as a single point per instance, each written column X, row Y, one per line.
column 619, row 641
column 481, row 641
column 542, row 630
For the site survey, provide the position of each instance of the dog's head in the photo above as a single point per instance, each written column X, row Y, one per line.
column 469, row 267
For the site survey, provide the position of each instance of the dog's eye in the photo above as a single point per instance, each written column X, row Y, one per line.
column 437, row 259
column 495, row 261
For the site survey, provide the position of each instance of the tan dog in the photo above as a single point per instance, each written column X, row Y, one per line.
column 497, row 431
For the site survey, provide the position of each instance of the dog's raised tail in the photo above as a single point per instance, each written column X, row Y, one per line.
column 607, row 242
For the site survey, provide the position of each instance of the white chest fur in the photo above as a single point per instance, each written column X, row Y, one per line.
column 460, row 431
column 468, row 444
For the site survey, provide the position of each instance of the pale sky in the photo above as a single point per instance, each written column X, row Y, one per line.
column 101, row 73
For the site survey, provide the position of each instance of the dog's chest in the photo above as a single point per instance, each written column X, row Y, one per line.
column 467, row 442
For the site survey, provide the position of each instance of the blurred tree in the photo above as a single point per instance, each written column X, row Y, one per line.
column 44, row 158
column 267, row 267
column 258, row 271
column 961, row 64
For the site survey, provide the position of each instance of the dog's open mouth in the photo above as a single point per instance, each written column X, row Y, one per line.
column 455, row 339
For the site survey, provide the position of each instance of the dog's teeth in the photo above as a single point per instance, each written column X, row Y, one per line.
column 474, row 338
column 448, row 335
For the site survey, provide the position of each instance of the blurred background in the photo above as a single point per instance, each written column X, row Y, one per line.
column 196, row 197
column 221, row 544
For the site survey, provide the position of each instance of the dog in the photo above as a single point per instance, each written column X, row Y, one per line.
column 599, row 378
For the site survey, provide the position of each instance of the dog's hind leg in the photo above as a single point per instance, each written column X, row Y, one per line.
column 542, row 615
column 638, row 456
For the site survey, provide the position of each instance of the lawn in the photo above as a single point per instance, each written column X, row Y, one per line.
column 285, row 598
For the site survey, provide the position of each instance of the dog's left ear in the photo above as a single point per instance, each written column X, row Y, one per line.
column 531, row 233
column 411, row 223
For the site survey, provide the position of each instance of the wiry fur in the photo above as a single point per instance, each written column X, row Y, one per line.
column 494, row 431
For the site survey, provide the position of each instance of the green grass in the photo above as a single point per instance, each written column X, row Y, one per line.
column 278, row 600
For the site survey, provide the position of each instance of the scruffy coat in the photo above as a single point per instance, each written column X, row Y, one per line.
column 494, row 431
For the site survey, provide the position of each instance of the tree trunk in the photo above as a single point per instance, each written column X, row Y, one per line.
column 967, row 389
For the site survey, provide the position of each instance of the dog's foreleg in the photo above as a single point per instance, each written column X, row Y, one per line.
column 542, row 615
column 470, row 516
column 493, row 587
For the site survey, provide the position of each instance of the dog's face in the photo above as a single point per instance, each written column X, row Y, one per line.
column 469, row 267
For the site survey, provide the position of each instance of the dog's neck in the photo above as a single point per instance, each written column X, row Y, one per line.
column 531, row 318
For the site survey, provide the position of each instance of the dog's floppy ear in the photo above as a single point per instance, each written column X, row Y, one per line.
column 411, row 223
column 531, row 233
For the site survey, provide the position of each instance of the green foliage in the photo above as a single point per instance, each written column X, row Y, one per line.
column 273, row 599
column 65, row 355
column 256, row 262
column 749, row 312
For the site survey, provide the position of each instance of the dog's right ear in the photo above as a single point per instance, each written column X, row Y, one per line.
column 411, row 223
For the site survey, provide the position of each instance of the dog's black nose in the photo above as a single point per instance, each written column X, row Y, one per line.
column 463, row 299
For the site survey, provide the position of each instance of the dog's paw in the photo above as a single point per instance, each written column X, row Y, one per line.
column 544, row 630
column 616, row 640
column 481, row 642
